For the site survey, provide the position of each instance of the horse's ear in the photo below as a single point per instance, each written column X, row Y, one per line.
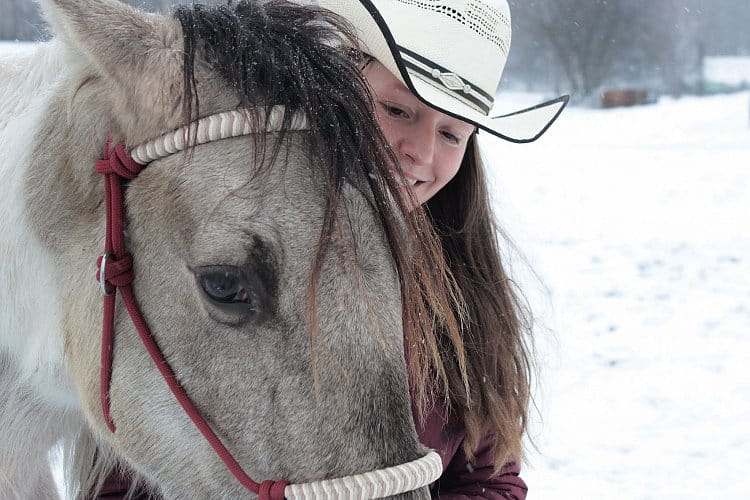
column 140, row 52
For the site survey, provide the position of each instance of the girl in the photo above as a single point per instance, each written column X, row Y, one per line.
column 433, row 67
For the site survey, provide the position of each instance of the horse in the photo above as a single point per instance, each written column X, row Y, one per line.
column 266, row 263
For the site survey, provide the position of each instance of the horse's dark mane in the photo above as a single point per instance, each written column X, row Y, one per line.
column 278, row 52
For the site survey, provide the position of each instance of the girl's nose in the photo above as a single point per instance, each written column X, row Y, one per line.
column 418, row 146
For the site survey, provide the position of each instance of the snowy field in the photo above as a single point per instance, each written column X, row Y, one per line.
column 637, row 223
column 730, row 70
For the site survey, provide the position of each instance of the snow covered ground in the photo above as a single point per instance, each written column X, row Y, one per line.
column 637, row 222
column 732, row 70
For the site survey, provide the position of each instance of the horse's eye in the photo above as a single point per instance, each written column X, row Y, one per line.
column 234, row 295
column 221, row 285
column 225, row 285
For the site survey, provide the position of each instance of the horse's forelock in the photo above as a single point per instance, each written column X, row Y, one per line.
column 279, row 52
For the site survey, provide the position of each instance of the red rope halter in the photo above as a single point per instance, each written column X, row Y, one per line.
column 115, row 272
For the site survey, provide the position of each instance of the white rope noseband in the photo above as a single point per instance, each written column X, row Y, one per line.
column 213, row 128
column 375, row 484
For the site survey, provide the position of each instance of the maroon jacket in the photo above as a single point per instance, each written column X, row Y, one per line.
column 461, row 480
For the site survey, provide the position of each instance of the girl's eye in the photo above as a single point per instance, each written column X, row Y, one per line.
column 452, row 138
column 394, row 111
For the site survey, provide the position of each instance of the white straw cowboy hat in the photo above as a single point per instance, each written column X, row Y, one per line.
column 450, row 54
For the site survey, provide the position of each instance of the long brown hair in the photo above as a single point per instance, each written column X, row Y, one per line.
column 498, row 359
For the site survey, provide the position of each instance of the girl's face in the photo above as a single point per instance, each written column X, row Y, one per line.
column 429, row 144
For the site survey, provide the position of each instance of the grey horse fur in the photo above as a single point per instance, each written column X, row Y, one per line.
column 120, row 70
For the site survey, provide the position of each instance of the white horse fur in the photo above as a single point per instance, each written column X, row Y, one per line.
column 37, row 389
column 114, row 69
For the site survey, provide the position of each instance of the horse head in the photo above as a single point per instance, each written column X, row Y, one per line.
column 263, row 264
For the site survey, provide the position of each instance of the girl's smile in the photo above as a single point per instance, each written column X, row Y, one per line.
column 429, row 145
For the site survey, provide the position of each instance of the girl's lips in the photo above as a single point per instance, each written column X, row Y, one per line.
column 407, row 180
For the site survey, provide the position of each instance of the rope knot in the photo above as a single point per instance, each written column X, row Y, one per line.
column 272, row 490
column 117, row 273
column 118, row 161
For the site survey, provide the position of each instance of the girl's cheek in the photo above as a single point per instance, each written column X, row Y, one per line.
column 450, row 165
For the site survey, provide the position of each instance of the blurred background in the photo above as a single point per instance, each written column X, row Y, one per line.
column 580, row 47
column 628, row 232
column 664, row 46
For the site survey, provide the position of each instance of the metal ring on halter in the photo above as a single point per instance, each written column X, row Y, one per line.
column 102, row 269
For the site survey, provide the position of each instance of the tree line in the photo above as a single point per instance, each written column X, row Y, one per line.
column 582, row 46
column 572, row 46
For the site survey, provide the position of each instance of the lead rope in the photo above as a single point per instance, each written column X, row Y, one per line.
column 115, row 272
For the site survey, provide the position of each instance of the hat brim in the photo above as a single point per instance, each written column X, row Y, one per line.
column 525, row 125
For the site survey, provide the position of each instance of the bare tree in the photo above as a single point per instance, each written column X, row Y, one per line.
column 575, row 46
column 590, row 43
column 587, row 38
column 660, row 46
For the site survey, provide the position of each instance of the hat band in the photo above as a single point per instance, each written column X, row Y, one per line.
column 447, row 81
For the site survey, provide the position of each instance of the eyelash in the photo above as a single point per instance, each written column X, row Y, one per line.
column 451, row 137
column 394, row 111
column 400, row 113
